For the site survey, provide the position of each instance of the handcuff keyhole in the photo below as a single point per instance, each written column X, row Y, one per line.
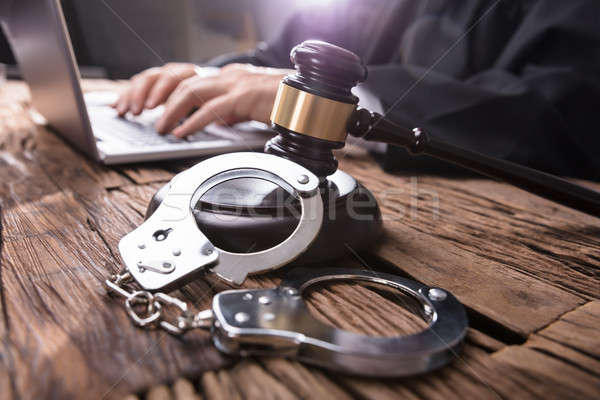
column 161, row 234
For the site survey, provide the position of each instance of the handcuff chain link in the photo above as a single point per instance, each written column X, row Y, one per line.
column 154, row 315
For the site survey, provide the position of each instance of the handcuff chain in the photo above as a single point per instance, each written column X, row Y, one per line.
column 122, row 284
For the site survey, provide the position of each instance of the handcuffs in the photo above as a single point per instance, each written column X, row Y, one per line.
column 168, row 250
column 168, row 247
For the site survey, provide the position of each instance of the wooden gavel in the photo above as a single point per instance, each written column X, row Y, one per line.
column 315, row 110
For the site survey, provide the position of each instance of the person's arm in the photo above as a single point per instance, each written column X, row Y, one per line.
column 240, row 91
column 246, row 86
column 542, row 118
column 154, row 86
column 537, row 105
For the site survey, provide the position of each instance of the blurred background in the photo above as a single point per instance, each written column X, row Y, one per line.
column 105, row 32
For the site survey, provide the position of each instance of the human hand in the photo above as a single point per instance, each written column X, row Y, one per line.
column 152, row 87
column 239, row 92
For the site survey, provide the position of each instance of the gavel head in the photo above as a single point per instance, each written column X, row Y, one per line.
column 314, row 104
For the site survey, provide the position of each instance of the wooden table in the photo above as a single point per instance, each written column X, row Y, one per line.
column 526, row 269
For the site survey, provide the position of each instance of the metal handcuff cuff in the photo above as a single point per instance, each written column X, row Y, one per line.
column 168, row 249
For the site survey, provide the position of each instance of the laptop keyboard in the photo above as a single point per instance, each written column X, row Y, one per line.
column 138, row 131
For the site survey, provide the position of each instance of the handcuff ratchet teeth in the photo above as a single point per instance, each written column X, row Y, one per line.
column 168, row 248
column 277, row 322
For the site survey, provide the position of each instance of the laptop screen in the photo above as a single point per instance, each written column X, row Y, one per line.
column 39, row 39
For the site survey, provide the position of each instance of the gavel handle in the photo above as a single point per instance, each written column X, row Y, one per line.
column 373, row 127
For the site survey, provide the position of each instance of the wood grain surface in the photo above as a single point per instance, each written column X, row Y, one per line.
column 526, row 269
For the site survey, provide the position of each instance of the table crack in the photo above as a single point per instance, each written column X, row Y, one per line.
column 93, row 226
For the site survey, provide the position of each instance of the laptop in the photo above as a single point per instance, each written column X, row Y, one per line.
column 39, row 39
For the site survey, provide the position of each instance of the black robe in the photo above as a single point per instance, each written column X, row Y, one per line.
column 513, row 79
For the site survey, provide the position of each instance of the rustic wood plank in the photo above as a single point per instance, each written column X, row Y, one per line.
column 35, row 277
column 483, row 341
column 578, row 329
column 53, row 265
column 256, row 383
column 573, row 338
column 7, row 370
column 514, row 259
column 579, row 384
column 551, row 242
column 137, row 197
column 567, row 352
column 160, row 392
column 474, row 375
column 184, row 390
column 59, row 290
column 143, row 174
column 219, row 386
column 477, row 242
column 304, row 381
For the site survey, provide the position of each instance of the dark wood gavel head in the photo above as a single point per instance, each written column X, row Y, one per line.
column 314, row 104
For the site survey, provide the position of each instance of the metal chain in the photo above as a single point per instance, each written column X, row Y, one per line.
column 122, row 284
